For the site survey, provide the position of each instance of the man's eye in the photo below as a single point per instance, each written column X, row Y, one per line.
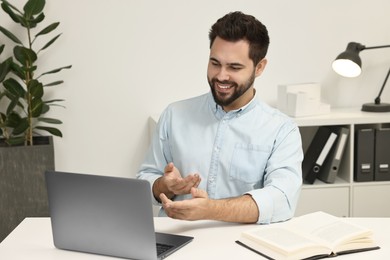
column 235, row 68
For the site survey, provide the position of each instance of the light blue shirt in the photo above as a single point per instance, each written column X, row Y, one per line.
column 254, row 150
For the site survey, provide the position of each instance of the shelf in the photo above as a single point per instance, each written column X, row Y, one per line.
column 344, row 197
column 343, row 116
column 339, row 182
column 371, row 183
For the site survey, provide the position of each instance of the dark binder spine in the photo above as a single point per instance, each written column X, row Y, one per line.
column 364, row 155
column 316, row 153
column 382, row 155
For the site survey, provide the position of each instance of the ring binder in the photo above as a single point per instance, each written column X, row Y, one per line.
column 316, row 153
column 364, row 155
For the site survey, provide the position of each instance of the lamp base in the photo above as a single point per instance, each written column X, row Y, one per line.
column 372, row 107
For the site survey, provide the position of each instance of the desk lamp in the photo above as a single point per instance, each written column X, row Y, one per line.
column 348, row 64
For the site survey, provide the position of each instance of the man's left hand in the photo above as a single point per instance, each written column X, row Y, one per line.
column 193, row 209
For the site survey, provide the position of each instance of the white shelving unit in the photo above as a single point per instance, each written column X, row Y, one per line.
column 345, row 197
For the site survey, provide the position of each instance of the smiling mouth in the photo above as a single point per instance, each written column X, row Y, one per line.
column 223, row 86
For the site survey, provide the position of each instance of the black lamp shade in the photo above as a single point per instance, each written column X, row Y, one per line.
column 350, row 55
column 348, row 63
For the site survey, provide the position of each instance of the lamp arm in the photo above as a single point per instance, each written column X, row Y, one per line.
column 378, row 98
column 376, row 47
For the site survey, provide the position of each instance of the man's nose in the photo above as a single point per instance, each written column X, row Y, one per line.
column 223, row 74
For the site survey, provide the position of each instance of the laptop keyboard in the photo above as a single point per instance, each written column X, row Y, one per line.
column 162, row 248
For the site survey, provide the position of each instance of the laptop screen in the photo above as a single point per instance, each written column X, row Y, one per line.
column 103, row 215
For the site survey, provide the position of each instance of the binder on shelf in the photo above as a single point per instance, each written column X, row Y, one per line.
column 316, row 153
column 331, row 165
column 382, row 155
column 364, row 155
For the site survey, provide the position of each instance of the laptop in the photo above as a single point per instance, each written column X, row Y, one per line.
column 106, row 215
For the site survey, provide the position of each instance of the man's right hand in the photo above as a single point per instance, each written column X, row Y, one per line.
column 172, row 183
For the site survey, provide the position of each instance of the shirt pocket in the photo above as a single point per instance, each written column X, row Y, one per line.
column 248, row 163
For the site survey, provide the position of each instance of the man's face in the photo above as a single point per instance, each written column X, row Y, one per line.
column 231, row 73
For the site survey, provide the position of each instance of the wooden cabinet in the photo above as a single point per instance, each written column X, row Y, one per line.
column 345, row 197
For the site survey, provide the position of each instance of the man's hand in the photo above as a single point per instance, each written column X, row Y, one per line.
column 172, row 183
column 193, row 209
column 178, row 185
column 242, row 209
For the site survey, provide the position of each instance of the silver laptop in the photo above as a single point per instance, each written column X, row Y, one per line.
column 106, row 215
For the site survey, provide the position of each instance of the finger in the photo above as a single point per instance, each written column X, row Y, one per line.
column 198, row 193
column 179, row 185
column 192, row 179
column 164, row 199
column 197, row 181
column 169, row 167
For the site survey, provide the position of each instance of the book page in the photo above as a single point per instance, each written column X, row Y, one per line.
column 278, row 242
column 281, row 239
column 329, row 229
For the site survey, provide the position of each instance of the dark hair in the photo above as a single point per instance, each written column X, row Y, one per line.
column 237, row 26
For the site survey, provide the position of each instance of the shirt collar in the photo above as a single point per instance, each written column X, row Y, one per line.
column 220, row 113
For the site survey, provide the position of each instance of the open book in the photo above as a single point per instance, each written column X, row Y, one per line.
column 312, row 236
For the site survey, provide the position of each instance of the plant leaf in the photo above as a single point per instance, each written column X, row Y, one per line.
column 51, row 130
column 45, row 108
column 17, row 70
column 35, row 88
column 50, row 42
column 10, row 35
column 5, row 67
column 13, row 119
column 36, row 107
column 14, row 101
column 54, row 83
column 7, row 7
column 33, row 7
column 50, row 120
column 48, row 29
column 54, row 100
column 14, row 88
column 25, row 56
column 55, row 70
column 21, row 127
column 29, row 70
column 33, row 22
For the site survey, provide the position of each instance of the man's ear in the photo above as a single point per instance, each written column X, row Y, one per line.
column 260, row 67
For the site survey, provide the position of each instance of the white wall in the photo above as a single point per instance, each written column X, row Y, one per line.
column 132, row 57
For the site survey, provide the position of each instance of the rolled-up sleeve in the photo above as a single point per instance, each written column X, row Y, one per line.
column 278, row 198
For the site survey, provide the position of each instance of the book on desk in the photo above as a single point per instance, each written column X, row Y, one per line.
column 312, row 236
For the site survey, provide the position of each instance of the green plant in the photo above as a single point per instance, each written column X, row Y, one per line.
column 21, row 91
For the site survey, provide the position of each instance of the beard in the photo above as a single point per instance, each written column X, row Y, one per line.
column 224, row 99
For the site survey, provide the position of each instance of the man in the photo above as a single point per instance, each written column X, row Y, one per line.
column 225, row 155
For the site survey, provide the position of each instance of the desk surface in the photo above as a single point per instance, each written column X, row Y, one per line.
column 32, row 240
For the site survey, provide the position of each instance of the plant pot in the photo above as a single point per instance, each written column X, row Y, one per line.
column 22, row 184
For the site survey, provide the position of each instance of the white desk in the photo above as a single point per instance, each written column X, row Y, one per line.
column 32, row 240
